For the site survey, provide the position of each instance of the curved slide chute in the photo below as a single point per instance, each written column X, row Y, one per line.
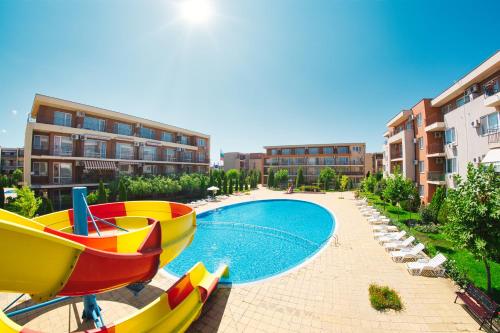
column 43, row 257
column 173, row 311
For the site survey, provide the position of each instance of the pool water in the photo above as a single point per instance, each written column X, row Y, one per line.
column 257, row 239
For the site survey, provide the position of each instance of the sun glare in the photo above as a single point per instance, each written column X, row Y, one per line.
column 196, row 11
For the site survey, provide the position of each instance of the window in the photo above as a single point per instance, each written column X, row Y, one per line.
column 286, row 151
column 329, row 161
column 124, row 151
column 62, row 118
column 63, row 173
column 421, row 166
column 356, row 149
column 451, row 165
column 125, row 169
column 150, row 169
column 274, row 151
column 94, row 148
column 311, row 171
column 94, row 124
column 41, row 142
column 63, row 146
column 463, row 100
column 167, row 137
column 148, row 153
column 445, row 109
column 169, row 155
column 420, row 143
column 489, row 123
column 183, row 140
column 312, row 161
column 421, row 190
column 419, row 119
column 201, row 157
column 169, row 169
column 147, row 133
column 200, row 142
column 187, row 156
column 123, row 129
column 449, row 135
column 343, row 160
column 313, row 150
column 409, row 125
column 328, row 150
column 300, row 151
column 39, row 169
column 343, row 150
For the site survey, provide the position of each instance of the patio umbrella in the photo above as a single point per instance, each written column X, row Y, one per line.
column 213, row 188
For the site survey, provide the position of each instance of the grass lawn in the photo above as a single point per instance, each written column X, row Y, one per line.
column 438, row 243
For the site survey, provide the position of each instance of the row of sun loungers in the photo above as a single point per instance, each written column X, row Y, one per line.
column 400, row 247
column 202, row 202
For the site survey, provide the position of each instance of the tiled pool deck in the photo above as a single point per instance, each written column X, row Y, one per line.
column 327, row 294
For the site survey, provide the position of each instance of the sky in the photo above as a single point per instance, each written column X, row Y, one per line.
column 255, row 73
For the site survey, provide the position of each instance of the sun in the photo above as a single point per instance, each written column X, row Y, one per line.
column 196, row 11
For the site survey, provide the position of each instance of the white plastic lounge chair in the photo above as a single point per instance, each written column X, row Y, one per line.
column 384, row 237
column 385, row 228
column 428, row 267
column 361, row 202
column 398, row 245
column 408, row 254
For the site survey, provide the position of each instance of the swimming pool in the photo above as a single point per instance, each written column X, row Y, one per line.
column 257, row 239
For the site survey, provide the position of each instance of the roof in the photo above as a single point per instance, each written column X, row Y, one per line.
column 317, row 145
column 399, row 118
column 40, row 100
column 478, row 74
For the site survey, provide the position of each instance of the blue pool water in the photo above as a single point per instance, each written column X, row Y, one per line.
column 257, row 239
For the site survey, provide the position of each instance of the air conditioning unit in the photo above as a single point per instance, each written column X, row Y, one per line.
column 415, row 162
column 75, row 136
column 414, row 140
column 438, row 134
column 137, row 144
column 476, row 123
column 475, row 88
column 80, row 114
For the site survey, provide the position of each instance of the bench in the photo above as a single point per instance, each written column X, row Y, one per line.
column 479, row 304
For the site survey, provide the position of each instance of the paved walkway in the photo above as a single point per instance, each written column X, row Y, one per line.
column 328, row 294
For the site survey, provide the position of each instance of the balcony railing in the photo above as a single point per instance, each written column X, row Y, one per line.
column 396, row 154
column 492, row 87
column 435, row 148
column 494, row 136
column 435, row 176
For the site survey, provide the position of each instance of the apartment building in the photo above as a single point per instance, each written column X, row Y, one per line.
column 374, row 163
column 345, row 158
column 11, row 159
column 243, row 161
column 437, row 138
column 470, row 109
column 69, row 144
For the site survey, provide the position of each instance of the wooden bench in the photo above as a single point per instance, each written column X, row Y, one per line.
column 479, row 304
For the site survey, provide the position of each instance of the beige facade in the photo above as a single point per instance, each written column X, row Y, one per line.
column 374, row 163
column 345, row 158
column 69, row 144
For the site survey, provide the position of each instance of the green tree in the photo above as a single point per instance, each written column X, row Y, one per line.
column 398, row 188
column 231, row 185
column 270, row 178
column 122, row 190
column 102, row 196
column 344, row 182
column 326, row 175
column 437, row 202
column 2, row 196
column 281, row 177
column 299, row 181
column 474, row 215
column 25, row 204
column 45, row 207
column 17, row 176
column 224, row 183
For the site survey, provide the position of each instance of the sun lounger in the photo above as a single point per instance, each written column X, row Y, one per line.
column 398, row 245
column 408, row 254
column 428, row 267
column 384, row 237
column 385, row 228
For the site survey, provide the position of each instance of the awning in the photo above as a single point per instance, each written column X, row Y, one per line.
column 99, row 165
column 493, row 157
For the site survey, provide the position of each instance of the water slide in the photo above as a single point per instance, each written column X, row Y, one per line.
column 74, row 265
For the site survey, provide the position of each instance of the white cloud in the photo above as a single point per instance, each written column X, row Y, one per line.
column 14, row 112
column 4, row 131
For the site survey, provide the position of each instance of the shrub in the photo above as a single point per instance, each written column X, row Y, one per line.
column 431, row 228
column 45, row 207
column 122, row 190
column 383, row 298
column 102, row 194
column 456, row 274
column 309, row 188
column 299, row 181
column 427, row 214
column 25, row 204
column 270, row 179
column 442, row 216
column 17, row 176
column 92, row 198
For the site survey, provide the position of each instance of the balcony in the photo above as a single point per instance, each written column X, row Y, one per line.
column 494, row 139
column 435, row 150
column 492, row 93
column 435, row 127
column 436, row 177
column 396, row 155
